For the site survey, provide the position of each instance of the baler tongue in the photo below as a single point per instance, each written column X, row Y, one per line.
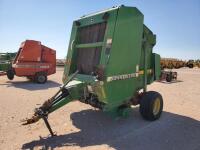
column 58, row 100
column 27, row 121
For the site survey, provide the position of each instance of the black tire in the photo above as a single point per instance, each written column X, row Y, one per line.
column 148, row 102
column 41, row 78
column 169, row 77
column 190, row 65
column 10, row 74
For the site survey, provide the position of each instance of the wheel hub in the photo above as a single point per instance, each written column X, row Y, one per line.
column 41, row 78
column 156, row 106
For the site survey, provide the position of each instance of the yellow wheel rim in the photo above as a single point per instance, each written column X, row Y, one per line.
column 156, row 106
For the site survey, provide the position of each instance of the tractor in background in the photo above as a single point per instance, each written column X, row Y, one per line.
column 6, row 62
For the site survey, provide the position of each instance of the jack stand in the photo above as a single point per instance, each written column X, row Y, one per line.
column 44, row 116
column 48, row 125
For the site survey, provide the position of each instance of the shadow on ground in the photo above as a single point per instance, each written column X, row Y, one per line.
column 171, row 131
column 29, row 85
column 173, row 81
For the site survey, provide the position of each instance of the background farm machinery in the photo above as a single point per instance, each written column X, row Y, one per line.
column 167, row 64
column 171, row 63
column 193, row 63
column 33, row 60
column 6, row 60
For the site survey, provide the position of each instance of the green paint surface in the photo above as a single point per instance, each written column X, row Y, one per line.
column 129, row 41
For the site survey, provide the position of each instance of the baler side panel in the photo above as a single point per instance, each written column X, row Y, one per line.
column 31, row 68
column 150, row 42
column 49, row 57
column 31, row 52
column 24, row 68
column 125, row 55
column 70, row 63
column 157, row 66
column 110, row 29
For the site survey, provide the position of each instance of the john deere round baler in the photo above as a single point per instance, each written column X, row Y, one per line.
column 109, row 65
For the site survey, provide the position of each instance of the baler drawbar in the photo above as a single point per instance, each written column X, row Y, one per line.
column 50, row 105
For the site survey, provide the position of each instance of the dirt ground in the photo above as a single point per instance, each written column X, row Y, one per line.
column 80, row 126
